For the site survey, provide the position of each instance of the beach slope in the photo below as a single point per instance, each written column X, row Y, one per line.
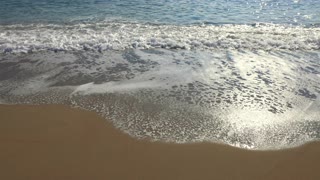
column 58, row 142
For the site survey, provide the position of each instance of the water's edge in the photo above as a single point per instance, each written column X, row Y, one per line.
column 248, row 99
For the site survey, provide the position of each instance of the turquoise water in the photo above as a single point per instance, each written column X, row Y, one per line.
column 244, row 73
column 188, row 24
column 305, row 12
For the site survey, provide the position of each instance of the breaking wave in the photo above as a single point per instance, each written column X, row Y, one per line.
column 119, row 36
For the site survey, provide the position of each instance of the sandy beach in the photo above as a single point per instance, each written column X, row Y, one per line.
column 58, row 142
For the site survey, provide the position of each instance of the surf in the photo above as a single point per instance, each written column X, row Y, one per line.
column 246, row 98
column 105, row 36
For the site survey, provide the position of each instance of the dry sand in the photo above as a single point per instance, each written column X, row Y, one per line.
column 57, row 142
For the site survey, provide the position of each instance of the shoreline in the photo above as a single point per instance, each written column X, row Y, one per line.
column 60, row 142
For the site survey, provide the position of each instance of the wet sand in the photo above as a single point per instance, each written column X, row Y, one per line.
column 58, row 142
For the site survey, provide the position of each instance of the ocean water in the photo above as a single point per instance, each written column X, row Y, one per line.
column 241, row 72
column 305, row 12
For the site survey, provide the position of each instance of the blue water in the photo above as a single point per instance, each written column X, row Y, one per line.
column 297, row 12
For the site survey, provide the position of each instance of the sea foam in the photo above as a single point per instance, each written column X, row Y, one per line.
column 118, row 36
column 248, row 99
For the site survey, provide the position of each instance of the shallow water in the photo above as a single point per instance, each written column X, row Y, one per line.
column 259, row 99
column 245, row 73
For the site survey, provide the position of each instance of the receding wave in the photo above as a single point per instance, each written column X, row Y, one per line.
column 118, row 36
column 248, row 99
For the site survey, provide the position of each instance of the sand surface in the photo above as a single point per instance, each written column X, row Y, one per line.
column 58, row 142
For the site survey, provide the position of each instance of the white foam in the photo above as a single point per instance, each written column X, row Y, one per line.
column 118, row 36
column 112, row 87
column 154, row 101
